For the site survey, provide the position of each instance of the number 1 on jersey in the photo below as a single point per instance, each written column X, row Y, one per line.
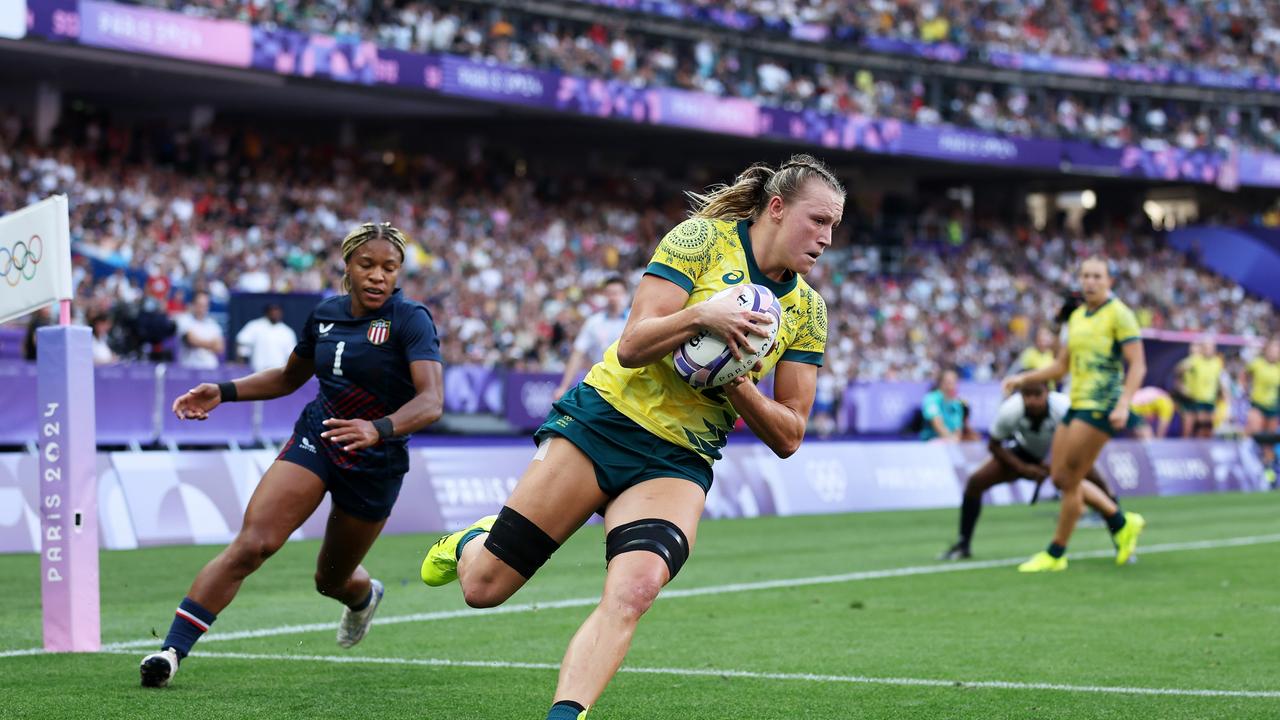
column 337, row 359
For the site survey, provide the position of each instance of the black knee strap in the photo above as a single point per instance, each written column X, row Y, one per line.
column 516, row 541
column 655, row 535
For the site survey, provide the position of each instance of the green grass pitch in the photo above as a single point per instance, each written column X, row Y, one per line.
column 1187, row 632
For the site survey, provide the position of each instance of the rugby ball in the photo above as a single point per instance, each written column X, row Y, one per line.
column 705, row 361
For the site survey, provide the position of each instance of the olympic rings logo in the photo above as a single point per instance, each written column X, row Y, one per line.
column 19, row 262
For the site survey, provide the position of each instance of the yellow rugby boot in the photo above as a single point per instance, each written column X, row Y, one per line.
column 440, row 567
column 1043, row 562
column 1127, row 537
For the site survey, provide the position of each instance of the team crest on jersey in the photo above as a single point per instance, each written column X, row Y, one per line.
column 379, row 331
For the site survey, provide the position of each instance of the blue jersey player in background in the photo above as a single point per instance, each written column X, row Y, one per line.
column 377, row 357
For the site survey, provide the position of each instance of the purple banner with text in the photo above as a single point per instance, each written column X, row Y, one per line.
column 155, row 32
column 158, row 498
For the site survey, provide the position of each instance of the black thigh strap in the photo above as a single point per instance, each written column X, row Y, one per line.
column 516, row 541
column 660, row 537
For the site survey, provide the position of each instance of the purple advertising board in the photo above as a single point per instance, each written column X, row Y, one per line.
column 885, row 408
column 406, row 69
column 315, row 56
column 53, row 19
column 155, row 498
column 528, row 398
column 496, row 82
column 942, row 52
column 605, row 99
column 1259, row 169
column 700, row 111
column 155, row 32
column 472, row 389
column 853, row 132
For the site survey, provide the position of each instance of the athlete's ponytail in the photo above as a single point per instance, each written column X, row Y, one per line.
column 751, row 191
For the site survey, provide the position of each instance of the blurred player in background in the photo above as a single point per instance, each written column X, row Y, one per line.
column 377, row 358
column 1102, row 337
column 1156, row 409
column 600, row 331
column 1020, row 438
column 1263, row 376
column 635, row 441
column 1201, row 383
column 1041, row 354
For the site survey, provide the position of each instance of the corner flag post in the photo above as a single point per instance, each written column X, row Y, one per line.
column 35, row 259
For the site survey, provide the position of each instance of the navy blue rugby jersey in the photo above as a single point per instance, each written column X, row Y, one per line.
column 363, row 363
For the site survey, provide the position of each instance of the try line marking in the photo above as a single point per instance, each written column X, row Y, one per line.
column 748, row 675
column 671, row 594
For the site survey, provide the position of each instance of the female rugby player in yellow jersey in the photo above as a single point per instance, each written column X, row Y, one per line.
column 635, row 441
column 1041, row 354
column 1202, row 384
column 1102, row 337
column 1263, row 374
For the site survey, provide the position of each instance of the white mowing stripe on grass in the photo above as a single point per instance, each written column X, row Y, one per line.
column 751, row 675
column 692, row 592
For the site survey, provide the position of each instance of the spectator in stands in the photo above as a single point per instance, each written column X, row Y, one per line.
column 550, row 246
column 945, row 415
column 266, row 341
column 102, row 352
column 599, row 332
column 200, row 341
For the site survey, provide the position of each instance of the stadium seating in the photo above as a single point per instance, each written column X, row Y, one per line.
column 720, row 66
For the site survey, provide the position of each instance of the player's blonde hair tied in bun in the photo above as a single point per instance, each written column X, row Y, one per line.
column 363, row 234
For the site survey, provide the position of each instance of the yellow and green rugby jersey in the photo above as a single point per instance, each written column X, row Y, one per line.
column 1033, row 358
column 1265, row 382
column 1202, row 378
column 1097, row 362
column 703, row 257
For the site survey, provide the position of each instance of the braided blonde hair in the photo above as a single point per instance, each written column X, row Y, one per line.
column 365, row 233
column 747, row 197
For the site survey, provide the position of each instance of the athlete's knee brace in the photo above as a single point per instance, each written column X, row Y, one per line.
column 660, row 537
column 516, row 541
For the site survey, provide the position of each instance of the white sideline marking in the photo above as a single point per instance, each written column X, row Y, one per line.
column 932, row 569
column 748, row 675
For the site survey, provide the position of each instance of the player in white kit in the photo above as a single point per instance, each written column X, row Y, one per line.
column 1021, row 437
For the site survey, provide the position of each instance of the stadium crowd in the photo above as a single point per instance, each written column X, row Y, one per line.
column 716, row 65
column 508, row 259
column 1239, row 35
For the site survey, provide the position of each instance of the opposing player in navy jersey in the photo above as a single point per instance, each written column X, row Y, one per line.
column 377, row 357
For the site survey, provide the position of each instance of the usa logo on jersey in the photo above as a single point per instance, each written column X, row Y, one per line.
column 379, row 331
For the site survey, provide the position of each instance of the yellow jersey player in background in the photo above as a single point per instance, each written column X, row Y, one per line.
column 635, row 441
column 1201, row 384
column 1040, row 355
column 1102, row 337
column 1156, row 408
column 1263, row 376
